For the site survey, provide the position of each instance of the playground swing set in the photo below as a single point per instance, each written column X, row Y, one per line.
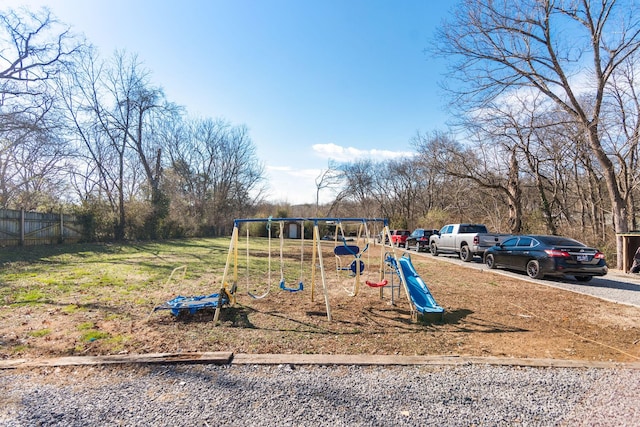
column 283, row 285
column 357, row 266
column 416, row 291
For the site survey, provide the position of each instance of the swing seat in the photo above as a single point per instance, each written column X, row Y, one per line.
column 377, row 284
column 256, row 296
column 354, row 267
column 346, row 250
column 284, row 287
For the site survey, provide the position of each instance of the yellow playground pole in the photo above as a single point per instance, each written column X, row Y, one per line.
column 318, row 249
column 233, row 253
column 313, row 263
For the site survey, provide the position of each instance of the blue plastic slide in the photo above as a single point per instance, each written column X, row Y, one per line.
column 418, row 290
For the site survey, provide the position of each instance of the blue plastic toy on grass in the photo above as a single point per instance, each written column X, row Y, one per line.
column 193, row 304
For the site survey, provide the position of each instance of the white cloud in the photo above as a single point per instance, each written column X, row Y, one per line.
column 581, row 84
column 288, row 170
column 279, row 168
column 297, row 185
column 346, row 154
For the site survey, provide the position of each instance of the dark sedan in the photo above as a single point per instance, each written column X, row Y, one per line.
column 541, row 256
column 419, row 239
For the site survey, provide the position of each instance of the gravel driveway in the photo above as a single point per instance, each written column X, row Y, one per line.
column 286, row 395
column 616, row 286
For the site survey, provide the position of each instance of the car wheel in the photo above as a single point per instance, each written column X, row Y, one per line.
column 584, row 278
column 465, row 254
column 417, row 246
column 434, row 249
column 490, row 261
column 533, row 269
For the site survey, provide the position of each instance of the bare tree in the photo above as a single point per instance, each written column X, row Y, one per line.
column 33, row 49
column 138, row 107
column 357, row 184
column 430, row 169
column 216, row 172
column 102, row 157
column 38, row 164
column 114, row 111
column 621, row 133
column 550, row 47
column 455, row 171
column 328, row 178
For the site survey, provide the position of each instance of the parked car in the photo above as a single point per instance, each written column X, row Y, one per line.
column 419, row 239
column 541, row 256
column 464, row 240
column 399, row 237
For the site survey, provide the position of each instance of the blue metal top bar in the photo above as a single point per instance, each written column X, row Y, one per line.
column 385, row 221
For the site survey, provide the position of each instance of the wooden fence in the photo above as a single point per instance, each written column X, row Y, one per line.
column 21, row 228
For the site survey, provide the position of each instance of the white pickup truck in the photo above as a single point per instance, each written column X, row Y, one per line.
column 466, row 240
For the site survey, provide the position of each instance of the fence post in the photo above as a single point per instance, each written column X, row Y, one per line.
column 61, row 238
column 22, row 227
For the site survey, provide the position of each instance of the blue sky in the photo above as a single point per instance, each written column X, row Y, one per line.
column 312, row 80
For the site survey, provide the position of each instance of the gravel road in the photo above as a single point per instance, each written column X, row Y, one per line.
column 286, row 395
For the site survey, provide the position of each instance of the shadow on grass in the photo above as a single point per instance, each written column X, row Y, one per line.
column 40, row 253
column 91, row 307
column 355, row 327
column 387, row 321
column 460, row 319
column 391, row 316
column 237, row 317
column 234, row 317
column 455, row 316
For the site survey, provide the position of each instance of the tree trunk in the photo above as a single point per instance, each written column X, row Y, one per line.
column 515, row 195
column 618, row 205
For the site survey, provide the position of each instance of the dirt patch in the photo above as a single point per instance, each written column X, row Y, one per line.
column 486, row 315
